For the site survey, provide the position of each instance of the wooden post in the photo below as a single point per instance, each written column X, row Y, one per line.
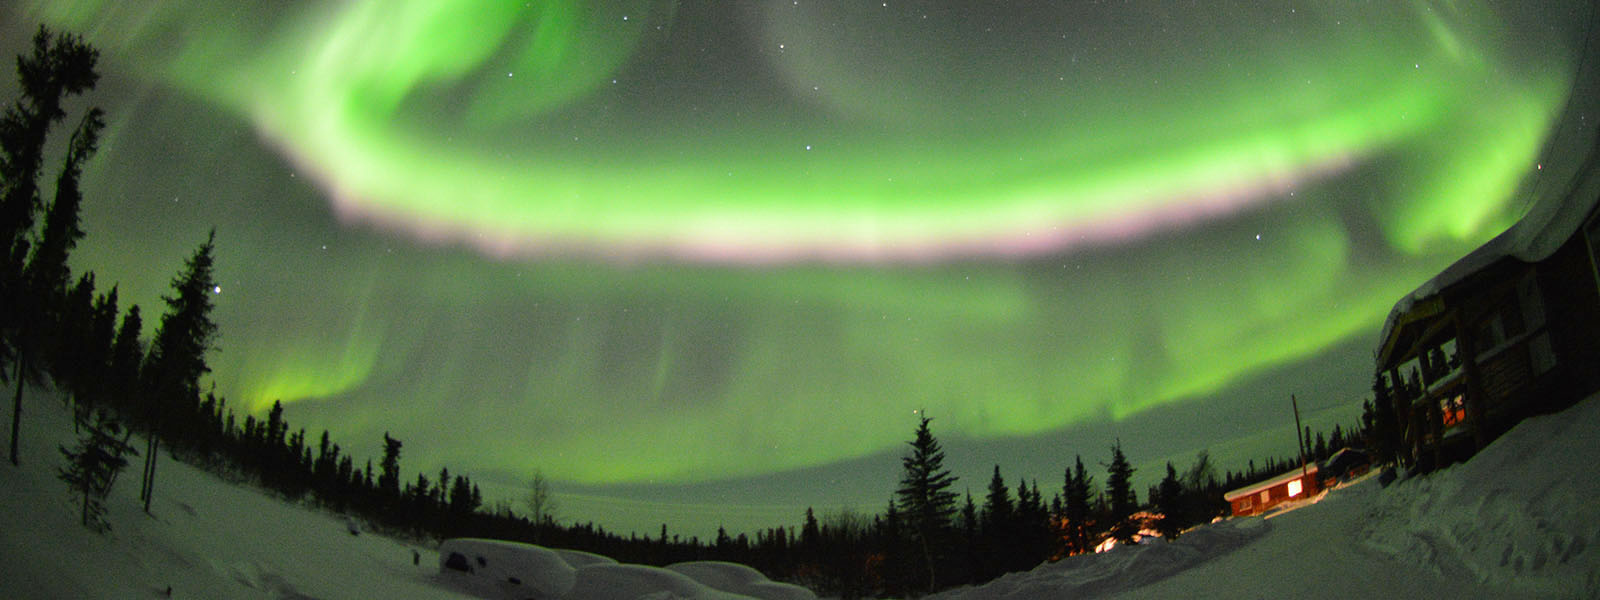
column 1298, row 437
column 1466, row 346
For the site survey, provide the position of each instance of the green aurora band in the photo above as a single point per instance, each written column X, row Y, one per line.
column 615, row 244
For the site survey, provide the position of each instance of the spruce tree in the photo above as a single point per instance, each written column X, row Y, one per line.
column 127, row 352
column 177, row 357
column 1076, row 495
column 1122, row 501
column 927, row 505
column 58, row 66
column 1170, row 501
column 999, row 528
column 92, row 467
column 389, row 474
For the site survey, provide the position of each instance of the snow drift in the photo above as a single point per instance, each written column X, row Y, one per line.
column 740, row 579
column 1123, row 567
column 1522, row 513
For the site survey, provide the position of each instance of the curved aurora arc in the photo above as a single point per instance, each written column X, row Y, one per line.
column 866, row 210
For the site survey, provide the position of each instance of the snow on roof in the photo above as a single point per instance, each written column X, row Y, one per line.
column 1251, row 489
column 1550, row 221
column 1534, row 238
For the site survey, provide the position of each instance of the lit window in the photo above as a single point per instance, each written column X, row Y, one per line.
column 1265, row 496
column 1294, row 488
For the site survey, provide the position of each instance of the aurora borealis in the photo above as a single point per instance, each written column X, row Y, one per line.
column 649, row 246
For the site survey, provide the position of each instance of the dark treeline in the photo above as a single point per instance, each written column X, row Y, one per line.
column 932, row 533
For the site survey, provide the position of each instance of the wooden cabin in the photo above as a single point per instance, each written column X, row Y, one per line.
column 1510, row 330
column 1258, row 498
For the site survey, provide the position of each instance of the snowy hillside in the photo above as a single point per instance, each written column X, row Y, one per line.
column 1518, row 521
column 208, row 539
column 214, row 540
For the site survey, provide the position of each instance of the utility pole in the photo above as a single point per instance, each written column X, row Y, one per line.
column 1297, row 435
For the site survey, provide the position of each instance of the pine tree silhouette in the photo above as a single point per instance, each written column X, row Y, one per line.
column 177, row 358
column 926, row 503
column 1122, row 500
column 30, row 279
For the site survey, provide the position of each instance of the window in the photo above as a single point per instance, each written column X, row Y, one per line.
column 1266, row 495
column 1294, row 488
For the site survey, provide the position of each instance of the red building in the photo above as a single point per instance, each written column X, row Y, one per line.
column 1255, row 499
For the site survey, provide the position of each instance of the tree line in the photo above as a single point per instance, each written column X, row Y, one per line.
column 929, row 537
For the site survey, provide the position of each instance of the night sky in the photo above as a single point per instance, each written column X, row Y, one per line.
column 700, row 262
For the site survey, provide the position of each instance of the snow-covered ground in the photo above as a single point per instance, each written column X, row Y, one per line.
column 1518, row 521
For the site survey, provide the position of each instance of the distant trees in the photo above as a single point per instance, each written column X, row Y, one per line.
column 925, row 501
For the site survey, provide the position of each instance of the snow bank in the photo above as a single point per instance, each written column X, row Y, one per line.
column 740, row 579
column 1522, row 513
column 1122, row 568
column 630, row 582
column 509, row 566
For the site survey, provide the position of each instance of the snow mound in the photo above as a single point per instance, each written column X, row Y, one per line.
column 510, row 566
column 580, row 559
column 631, row 582
column 1521, row 513
column 1122, row 568
column 740, row 579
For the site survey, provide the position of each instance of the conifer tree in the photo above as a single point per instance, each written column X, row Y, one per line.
column 1076, row 494
column 1169, row 501
column 998, row 530
column 58, row 66
column 1122, row 500
column 95, row 357
column 997, row 508
column 127, row 352
column 389, row 468
column 926, row 503
column 92, row 467
column 177, row 356
column 972, row 540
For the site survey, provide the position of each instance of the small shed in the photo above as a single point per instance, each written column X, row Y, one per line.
column 1258, row 498
column 1344, row 465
